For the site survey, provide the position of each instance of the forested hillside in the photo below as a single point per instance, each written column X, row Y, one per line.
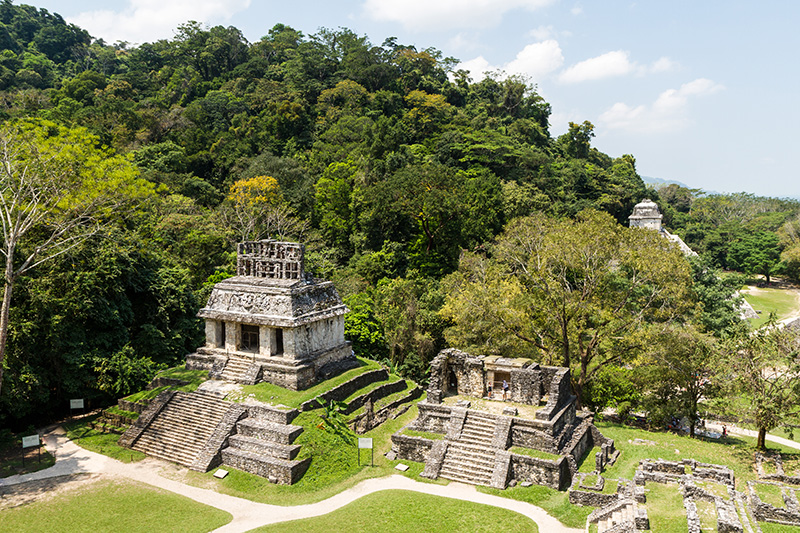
column 385, row 161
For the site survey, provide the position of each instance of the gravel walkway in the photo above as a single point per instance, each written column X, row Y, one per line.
column 72, row 459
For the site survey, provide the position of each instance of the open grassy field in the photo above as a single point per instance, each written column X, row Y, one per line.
column 781, row 302
column 399, row 511
column 106, row 506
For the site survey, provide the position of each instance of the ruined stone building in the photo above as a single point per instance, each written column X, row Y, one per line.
column 474, row 445
column 273, row 321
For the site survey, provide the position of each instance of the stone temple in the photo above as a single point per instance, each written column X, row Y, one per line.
column 273, row 322
column 647, row 215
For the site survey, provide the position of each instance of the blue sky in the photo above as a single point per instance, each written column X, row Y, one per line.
column 702, row 92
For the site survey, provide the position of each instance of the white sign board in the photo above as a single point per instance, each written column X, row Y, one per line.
column 76, row 404
column 30, row 441
column 365, row 444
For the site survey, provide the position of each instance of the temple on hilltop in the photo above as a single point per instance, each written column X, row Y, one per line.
column 466, row 431
column 273, row 322
column 647, row 215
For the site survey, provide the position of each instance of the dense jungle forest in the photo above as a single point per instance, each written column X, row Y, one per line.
column 412, row 185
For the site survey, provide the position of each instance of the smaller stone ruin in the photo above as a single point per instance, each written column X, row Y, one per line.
column 473, row 445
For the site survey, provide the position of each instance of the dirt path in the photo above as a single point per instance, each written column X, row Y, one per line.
column 72, row 460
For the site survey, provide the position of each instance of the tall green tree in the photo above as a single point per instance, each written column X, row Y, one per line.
column 764, row 368
column 58, row 189
column 569, row 292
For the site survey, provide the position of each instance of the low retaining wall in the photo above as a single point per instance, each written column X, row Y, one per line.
column 166, row 382
column 554, row 474
column 411, row 448
column 343, row 391
column 271, row 413
column 135, row 407
column 768, row 513
column 378, row 392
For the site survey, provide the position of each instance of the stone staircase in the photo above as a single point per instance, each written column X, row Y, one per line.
column 471, row 458
column 236, row 369
column 266, row 448
column 183, row 427
column 624, row 514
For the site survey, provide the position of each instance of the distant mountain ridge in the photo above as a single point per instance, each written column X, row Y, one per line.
column 658, row 181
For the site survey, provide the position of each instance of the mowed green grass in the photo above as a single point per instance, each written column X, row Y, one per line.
column 114, row 506
column 780, row 302
column 400, row 511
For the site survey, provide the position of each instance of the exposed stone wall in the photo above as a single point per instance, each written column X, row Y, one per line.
column 468, row 371
column 271, row 413
column 456, row 423
column 526, row 385
column 502, row 433
column 768, row 513
column 559, row 394
column 529, row 437
column 153, row 409
column 363, row 423
column 432, row 418
column 554, row 474
column 590, row 498
column 209, row 455
column 501, row 471
column 433, row 465
column 166, row 382
column 411, row 448
column 200, row 361
column 276, row 470
column 135, row 407
column 378, row 392
column 343, row 391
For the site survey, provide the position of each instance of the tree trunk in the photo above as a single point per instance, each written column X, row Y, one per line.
column 4, row 313
column 762, row 438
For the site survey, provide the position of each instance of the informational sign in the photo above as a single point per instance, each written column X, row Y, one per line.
column 30, row 441
column 76, row 404
column 365, row 444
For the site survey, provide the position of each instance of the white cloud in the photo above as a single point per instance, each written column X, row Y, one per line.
column 663, row 64
column 577, row 10
column 421, row 15
column 535, row 61
column 605, row 66
column 542, row 33
column 149, row 20
column 477, row 67
column 668, row 113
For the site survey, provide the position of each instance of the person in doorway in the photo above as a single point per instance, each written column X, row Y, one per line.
column 505, row 390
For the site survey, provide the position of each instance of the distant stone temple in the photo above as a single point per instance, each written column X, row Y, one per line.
column 647, row 215
column 273, row 321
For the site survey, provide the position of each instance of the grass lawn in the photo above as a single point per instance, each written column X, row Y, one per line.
column 665, row 508
column 269, row 393
column 96, row 441
column 771, row 494
column 114, row 506
column 769, row 527
column 401, row 511
column 194, row 378
column 781, row 302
